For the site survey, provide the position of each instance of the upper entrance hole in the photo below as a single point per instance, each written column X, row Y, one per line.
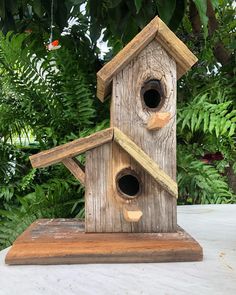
column 152, row 95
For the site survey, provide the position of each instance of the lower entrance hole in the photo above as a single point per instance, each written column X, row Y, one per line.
column 128, row 184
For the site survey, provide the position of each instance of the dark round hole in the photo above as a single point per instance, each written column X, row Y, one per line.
column 152, row 95
column 152, row 98
column 128, row 185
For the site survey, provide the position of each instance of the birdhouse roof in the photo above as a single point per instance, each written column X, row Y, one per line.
column 64, row 153
column 157, row 30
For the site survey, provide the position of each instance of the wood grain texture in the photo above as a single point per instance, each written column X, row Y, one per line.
column 74, row 167
column 103, row 210
column 104, row 206
column 184, row 58
column 63, row 241
column 129, row 115
column 71, row 149
column 136, row 45
column 158, row 120
column 146, row 162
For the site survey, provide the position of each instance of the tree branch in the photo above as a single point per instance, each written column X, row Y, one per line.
column 220, row 52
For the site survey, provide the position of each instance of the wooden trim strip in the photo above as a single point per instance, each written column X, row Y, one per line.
column 71, row 149
column 146, row 162
column 74, row 166
column 184, row 58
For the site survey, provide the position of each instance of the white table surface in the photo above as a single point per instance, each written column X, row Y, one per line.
column 214, row 227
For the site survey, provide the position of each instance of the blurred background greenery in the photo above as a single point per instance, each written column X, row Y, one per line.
column 48, row 97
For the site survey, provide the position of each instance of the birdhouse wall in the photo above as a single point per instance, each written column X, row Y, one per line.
column 103, row 205
column 129, row 113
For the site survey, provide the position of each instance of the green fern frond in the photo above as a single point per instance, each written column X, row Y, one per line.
column 53, row 95
column 201, row 183
column 201, row 115
column 53, row 199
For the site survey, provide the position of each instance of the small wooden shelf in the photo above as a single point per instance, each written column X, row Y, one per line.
column 63, row 241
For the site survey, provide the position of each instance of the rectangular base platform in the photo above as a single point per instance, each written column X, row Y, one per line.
column 63, row 241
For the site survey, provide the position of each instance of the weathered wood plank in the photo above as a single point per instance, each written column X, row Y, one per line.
column 71, row 149
column 158, row 120
column 184, row 58
column 63, row 241
column 146, row 162
column 74, row 167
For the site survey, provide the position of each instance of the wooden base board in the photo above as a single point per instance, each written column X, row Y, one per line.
column 63, row 241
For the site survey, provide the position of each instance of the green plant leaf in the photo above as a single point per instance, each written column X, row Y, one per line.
column 2, row 9
column 215, row 3
column 166, row 9
column 138, row 5
column 38, row 7
column 202, row 10
column 178, row 14
column 232, row 129
column 113, row 3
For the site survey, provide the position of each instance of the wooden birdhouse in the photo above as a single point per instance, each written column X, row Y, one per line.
column 130, row 172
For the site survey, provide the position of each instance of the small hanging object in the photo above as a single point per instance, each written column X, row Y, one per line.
column 28, row 31
column 54, row 45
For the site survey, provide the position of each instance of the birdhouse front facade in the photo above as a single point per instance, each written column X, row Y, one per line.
column 130, row 171
column 121, row 194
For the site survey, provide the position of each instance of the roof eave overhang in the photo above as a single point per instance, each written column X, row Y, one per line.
column 157, row 30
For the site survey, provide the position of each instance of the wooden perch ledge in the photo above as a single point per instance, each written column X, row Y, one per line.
column 158, row 120
column 132, row 213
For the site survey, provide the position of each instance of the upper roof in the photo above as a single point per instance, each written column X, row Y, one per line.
column 157, row 29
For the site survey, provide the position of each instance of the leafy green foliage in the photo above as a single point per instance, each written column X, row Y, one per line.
column 131, row 17
column 54, row 198
column 201, row 115
column 202, row 10
column 206, row 125
column 19, row 14
column 166, row 9
column 138, row 4
column 46, row 90
column 49, row 97
column 201, row 183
